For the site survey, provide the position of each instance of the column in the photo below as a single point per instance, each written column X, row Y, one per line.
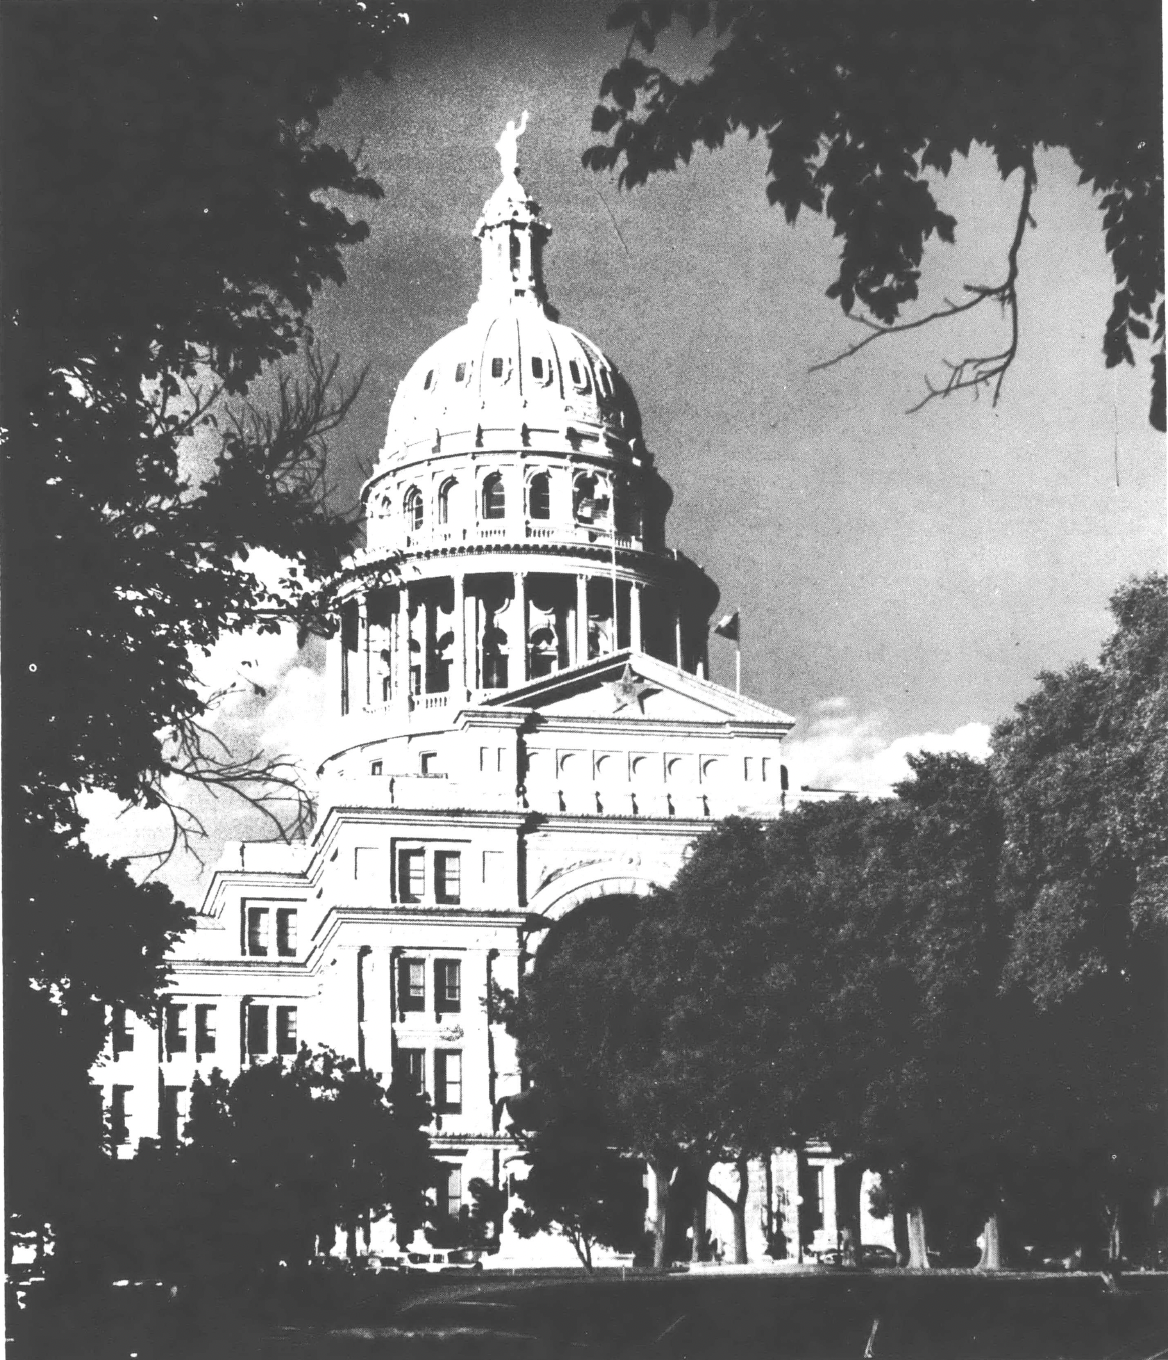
column 581, row 621
column 458, row 661
column 402, row 650
column 517, row 673
column 635, row 616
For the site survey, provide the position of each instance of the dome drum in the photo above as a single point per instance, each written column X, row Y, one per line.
column 516, row 496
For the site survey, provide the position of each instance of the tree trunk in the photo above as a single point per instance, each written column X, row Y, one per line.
column 697, row 1250
column 848, row 1179
column 661, row 1212
column 900, row 1235
column 582, row 1245
column 1115, row 1231
column 351, row 1241
column 991, row 1243
column 918, row 1245
column 742, row 1166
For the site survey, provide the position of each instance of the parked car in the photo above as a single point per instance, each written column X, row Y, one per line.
column 876, row 1257
column 443, row 1262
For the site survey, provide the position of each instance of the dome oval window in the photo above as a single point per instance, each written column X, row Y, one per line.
column 496, row 367
column 460, row 373
column 539, row 497
column 536, row 367
column 413, row 508
column 429, row 380
column 579, row 375
column 494, row 499
column 605, row 383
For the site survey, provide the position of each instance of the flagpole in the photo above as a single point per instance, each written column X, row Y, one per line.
column 738, row 662
column 615, row 626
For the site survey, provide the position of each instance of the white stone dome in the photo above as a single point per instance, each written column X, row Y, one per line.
column 512, row 367
column 506, row 368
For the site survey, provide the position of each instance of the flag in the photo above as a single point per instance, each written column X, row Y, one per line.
column 728, row 627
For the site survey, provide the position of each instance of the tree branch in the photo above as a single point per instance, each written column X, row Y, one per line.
column 975, row 371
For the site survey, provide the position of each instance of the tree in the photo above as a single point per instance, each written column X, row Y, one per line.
column 271, row 1163
column 1083, row 771
column 177, row 215
column 577, row 1184
column 730, row 1003
column 887, row 912
column 653, row 1018
column 860, row 104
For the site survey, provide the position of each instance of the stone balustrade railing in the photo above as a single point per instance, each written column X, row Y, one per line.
column 423, row 792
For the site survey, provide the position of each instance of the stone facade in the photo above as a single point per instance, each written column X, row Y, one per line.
column 518, row 723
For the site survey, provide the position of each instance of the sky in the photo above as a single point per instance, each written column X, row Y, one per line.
column 902, row 579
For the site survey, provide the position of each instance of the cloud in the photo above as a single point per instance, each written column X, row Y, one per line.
column 268, row 693
column 842, row 749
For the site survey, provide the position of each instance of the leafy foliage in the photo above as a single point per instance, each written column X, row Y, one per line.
column 177, row 215
column 272, row 1161
column 962, row 987
column 1083, row 773
column 860, row 104
column 577, row 1184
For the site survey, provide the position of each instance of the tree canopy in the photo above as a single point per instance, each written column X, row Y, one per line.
column 271, row 1164
column 961, row 987
column 861, row 105
column 178, row 211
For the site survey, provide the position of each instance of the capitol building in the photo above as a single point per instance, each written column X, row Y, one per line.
column 519, row 721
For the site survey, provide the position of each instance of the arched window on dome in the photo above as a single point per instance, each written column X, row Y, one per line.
column 413, row 508
column 539, row 500
column 429, row 381
column 494, row 498
column 446, row 498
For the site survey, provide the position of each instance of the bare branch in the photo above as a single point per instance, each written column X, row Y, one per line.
column 975, row 371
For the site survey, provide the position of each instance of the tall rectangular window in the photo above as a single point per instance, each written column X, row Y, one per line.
column 451, row 1192
column 447, row 985
column 411, row 1068
column 176, row 1029
column 285, row 1029
column 411, row 985
column 286, row 931
column 448, row 1080
column 257, row 1031
column 411, row 875
column 119, row 1128
column 204, row 1030
column 170, row 1116
column 257, row 932
column 122, row 1031
column 448, row 876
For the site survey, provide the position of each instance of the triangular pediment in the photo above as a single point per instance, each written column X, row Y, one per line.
column 639, row 688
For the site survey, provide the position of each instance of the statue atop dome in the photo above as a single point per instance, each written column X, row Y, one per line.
column 508, row 146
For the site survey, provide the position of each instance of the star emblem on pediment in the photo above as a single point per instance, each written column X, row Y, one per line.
column 630, row 689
